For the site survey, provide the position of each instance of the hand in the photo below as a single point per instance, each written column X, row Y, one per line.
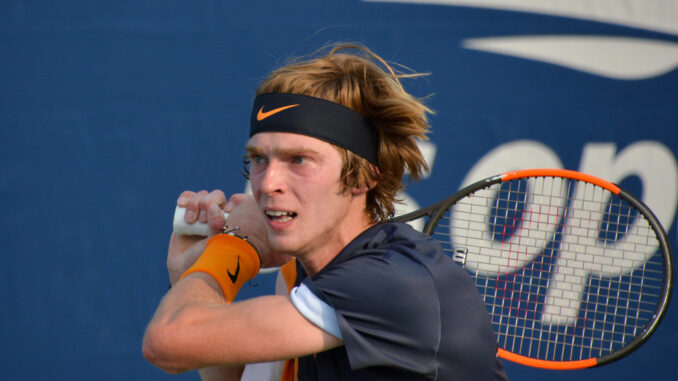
column 184, row 250
column 246, row 214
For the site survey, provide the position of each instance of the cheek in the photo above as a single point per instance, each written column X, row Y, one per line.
column 329, row 200
column 255, row 186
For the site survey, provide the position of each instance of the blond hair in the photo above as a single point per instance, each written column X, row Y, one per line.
column 364, row 82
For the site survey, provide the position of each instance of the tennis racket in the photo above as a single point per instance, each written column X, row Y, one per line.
column 180, row 227
column 575, row 272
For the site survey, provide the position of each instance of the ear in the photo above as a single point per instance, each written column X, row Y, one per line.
column 357, row 191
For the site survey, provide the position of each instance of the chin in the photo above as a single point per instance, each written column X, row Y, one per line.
column 282, row 245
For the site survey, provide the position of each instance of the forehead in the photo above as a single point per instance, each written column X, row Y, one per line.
column 287, row 141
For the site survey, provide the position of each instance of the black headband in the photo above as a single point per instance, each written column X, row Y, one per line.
column 315, row 117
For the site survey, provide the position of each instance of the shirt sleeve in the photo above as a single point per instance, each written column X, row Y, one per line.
column 387, row 309
column 315, row 310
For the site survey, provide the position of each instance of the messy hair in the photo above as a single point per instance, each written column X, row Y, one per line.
column 355, row 77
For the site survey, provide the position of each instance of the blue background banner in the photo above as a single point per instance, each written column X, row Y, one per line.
column 110, row 109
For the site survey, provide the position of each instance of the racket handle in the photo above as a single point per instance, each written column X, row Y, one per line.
column 180, row 227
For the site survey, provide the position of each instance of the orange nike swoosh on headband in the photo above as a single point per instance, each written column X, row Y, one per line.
column 261, row 115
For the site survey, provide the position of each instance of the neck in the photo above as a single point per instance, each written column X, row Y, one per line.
column 316, row 260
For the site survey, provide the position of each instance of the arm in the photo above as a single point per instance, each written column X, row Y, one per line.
column 193, row 326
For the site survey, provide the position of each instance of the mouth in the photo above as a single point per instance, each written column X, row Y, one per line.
column 280, row 215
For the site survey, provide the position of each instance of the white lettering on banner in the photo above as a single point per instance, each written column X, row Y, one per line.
column 657, row 169
column 526, row 243
column 538, row 227
column 651, row 161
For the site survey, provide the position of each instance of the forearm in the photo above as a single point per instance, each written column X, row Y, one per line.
column 197, row 290
column 194, row 328
column 197, row 304
column 167, row 335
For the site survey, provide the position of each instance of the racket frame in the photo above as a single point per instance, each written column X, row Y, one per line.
column 436, row 211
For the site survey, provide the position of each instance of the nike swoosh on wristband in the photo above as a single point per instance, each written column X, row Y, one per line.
column 234, row 277
column 261, row 115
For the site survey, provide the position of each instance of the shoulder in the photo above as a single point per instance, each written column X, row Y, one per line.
column 389, row 239
column 387, row 273
column 383, row 251
column 385, row 298
column 389, row 232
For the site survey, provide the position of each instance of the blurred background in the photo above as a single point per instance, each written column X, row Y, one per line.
column 110, row 109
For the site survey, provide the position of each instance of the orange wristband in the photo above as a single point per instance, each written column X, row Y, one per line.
column 230, row 260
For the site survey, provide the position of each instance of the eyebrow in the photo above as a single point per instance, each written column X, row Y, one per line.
column 254, row 150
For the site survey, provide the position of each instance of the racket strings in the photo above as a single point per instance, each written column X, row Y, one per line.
column 568, row 270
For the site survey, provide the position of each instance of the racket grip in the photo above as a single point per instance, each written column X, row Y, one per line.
column 180, row 227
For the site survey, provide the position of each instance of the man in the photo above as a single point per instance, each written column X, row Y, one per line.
column 330, row 140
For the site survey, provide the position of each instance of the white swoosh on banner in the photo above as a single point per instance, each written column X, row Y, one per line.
column 612, row 57
column 655, row 15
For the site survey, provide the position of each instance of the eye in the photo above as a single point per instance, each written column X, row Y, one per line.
column 255, row 162
column 298, row 159
column 257, row 159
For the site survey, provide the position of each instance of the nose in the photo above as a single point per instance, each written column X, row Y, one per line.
column 271, row 180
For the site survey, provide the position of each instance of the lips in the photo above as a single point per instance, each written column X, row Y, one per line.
column 280, row 215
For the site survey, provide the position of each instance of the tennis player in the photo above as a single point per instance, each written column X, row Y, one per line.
column 330, row 140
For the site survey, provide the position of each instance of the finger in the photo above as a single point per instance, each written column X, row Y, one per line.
column 193, row 207
column 216, row 197
column 184, row 197
column 228, row 208
column 216, row 219
column 236, row 199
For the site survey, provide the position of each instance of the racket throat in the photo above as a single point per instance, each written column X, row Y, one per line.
column 459, row 255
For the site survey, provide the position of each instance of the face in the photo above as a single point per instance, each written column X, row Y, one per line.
column 296, row 182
